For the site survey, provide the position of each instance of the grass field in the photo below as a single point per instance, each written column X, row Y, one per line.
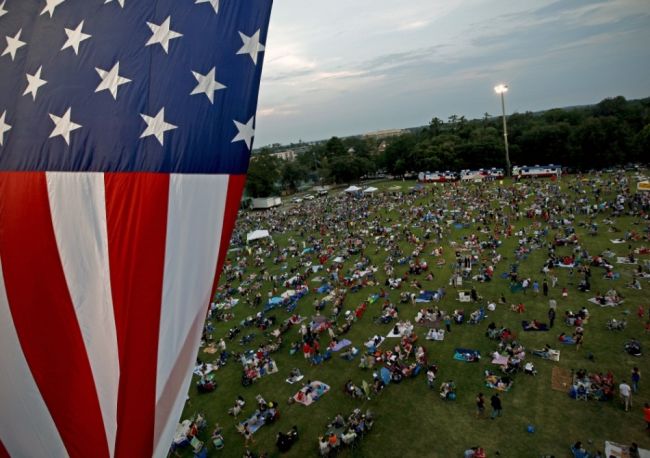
column 411, row 419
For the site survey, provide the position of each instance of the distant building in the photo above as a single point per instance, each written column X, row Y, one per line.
column 286, row 155
column 384, row 133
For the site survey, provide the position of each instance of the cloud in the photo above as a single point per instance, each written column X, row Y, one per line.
column 414, row 25
column 349, row 63
column 277, row 111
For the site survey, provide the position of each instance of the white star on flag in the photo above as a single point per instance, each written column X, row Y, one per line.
column 13, row 43
column 246, row 132
column 162, row 34
column 3, row 11
column 214, row 3
column 4, row 127
column 75, row 37
column 207, row 84
column 50, row 5
column 111, row 80
column 63, row 126
column 252, row 45
column 121, row 2
column 157, row 126
column 34, row 82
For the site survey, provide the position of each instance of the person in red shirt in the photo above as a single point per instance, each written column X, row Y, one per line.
column 480, row 453
column 646, row 416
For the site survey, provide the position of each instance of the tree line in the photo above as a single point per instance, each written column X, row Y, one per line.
column 613, row 132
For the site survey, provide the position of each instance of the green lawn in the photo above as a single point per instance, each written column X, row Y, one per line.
column 411, row 419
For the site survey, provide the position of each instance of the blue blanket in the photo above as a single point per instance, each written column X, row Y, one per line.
column 467, row 355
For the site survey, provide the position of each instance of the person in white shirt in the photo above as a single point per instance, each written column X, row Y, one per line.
column 626, row 394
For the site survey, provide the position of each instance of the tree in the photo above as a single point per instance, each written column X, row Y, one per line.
column 292, row 174
column 600, row 142
column 345, row 169
column 263, row 175
column 334, row 147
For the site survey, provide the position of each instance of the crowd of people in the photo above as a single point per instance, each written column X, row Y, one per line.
column 410, row 254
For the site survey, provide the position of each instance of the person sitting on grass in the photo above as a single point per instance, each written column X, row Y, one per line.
column 565, row 339
column 348, row 436
column 533, row 326
column 323, row 446
column 519, row 308
column 448, row 390
column 529, row 369
column 578, row 450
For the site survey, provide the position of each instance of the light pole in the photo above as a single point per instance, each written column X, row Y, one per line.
column 502, row 89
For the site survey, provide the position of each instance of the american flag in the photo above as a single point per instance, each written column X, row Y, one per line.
column 125, row 135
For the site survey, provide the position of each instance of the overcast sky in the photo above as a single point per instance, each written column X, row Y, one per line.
column 343, row 67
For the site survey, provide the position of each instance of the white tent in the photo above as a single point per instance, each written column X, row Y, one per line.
column 353, row 188
column 370, row 190
column 256, row 235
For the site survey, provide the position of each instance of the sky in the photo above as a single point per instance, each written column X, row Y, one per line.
column 346, row 67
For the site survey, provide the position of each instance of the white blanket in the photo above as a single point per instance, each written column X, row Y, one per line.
column 435, row 334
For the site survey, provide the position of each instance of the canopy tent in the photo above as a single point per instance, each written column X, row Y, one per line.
column 370, row 190
column 352, row 188
column 643, row 186
column 258, row 234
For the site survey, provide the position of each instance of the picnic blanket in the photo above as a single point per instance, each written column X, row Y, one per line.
column 541, row 326
column 608, row 302
column 552, row 355
column 402, row 330
column 561, row 379
column 435, row 334
column 501, row 360
column 254, row 422
column 617, row 241
column 292, row 380
column 426, row 296
column 467, row 355
column 318, row 389
column 341, row 345
column 625, row 260
column 324, row 289
column 622, row 451
column 371, row 342
column 495, row 382
column 208, row 368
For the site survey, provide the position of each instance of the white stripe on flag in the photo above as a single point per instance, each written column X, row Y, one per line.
column 194, row 221
column 26, row 428
column 78, row 208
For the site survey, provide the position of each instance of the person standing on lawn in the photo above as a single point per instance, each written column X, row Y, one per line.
column 495, row 401
column 646, row 416
column 636, row 378
column 626, row 394
column 545, row 287
column 480, row 405
column 551, row 317
column 448, row 322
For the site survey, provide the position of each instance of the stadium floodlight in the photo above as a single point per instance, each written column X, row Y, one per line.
column 502, row 89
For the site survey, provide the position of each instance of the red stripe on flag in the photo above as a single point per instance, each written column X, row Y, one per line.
column 3, row 451
column 44, row 315
column 233, row 201
column 136, row 214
